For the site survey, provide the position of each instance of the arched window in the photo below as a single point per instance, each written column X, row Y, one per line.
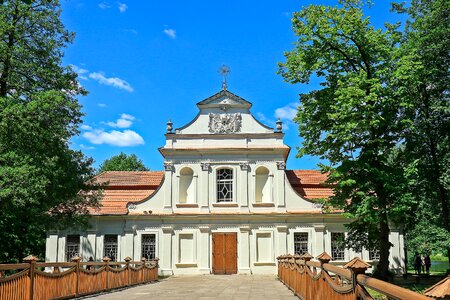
column 224, row 185
column 187, row 188
column 262, row 185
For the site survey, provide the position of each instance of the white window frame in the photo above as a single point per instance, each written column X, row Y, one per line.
column 233, row 182
column 139, row 242
column 118, row 258
column 292, row 233
column 331, row 246
column 68, row 259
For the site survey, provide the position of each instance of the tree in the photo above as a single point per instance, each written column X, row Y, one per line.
column 42, row 181
column 123, row 162
column 424, row 80
column 353, row 120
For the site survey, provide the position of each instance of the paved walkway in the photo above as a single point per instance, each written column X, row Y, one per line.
column 206, row 287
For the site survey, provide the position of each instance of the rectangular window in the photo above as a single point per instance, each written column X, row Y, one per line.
column 224, row 185
column 148, row 246
column 264, row 247
column 374, row 254
column 110, row 246
column 337, row 245
column 72, row 246
column 300, row 242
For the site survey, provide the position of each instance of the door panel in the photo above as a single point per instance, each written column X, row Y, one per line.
column 224, row 253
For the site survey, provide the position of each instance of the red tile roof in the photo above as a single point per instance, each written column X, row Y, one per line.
column 123, row 187
column 309, row 183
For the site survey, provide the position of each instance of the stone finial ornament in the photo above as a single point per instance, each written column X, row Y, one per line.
column 169, row 126
column 279, row 125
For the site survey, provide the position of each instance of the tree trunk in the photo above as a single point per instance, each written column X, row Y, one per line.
column 383, row 265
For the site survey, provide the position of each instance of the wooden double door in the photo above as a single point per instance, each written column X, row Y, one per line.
column 224, row 253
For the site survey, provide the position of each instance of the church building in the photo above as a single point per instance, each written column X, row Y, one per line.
column 223, row 204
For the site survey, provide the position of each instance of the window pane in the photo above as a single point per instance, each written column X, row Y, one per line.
column 72, row 246
column 148, row 246
column 110, row 246
column 300, row 242
column 224, row 185
column 337, row 245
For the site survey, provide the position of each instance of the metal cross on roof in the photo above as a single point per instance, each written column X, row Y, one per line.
column 224, row 70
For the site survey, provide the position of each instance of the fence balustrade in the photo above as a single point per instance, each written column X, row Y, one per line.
column 320, row 280
column 41, row 281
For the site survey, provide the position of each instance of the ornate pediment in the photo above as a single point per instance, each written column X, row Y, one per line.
column 224, row 100
column 225, row 123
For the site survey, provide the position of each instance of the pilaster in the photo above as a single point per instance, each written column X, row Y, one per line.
column 128, row 243
column 281, row 184
column 319, row 239
column 168, row 168
column 165, row 261
column 243, row 182
column 282, row 240
column 89, row 245
column 51, row 247
column 204, row 186
column 204, row 250
column 244, row 250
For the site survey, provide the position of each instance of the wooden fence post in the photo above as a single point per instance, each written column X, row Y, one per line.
column 106, row 260
column 143, row 259
column 77, row 260
column 324, row 258
column 357, row 266
column 127, row 260
column 31, row 259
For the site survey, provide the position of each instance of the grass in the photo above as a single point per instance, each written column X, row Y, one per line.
column 410, row 284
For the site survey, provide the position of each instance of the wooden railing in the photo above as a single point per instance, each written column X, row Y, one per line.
column 38, row 281
column 320, row 280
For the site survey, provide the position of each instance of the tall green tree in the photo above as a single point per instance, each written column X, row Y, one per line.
column 123, row 162
column 424, row 80
column 42, row 181
column 353, row 120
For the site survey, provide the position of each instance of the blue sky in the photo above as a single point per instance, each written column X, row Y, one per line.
column 144, row 62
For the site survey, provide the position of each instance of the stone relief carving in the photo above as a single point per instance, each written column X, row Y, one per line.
column 281, row 165
column 168, row 166
column 244, row 166
column 225, row 123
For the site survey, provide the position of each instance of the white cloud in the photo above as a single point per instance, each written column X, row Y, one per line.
column 112, row 81
column 102, row 105
column 82, row 146
column 85, row 127
column 170, row 32
column 116, row 138
column 287, row 112
column 124, row 121
column 104, row 5
column 122, row 7
column 80, row 71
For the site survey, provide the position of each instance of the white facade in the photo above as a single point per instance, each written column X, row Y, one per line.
column 224, row 172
